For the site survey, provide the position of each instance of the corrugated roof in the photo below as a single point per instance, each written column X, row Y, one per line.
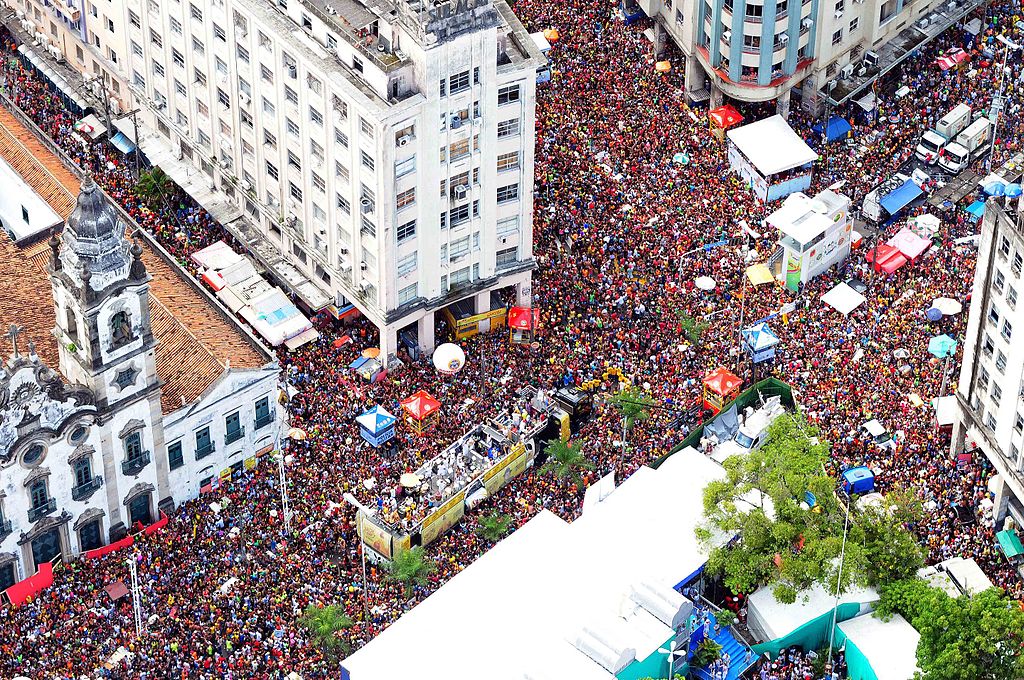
column 196, row 343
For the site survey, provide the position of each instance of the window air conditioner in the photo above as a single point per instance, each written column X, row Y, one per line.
column 460, row 191
column 839, row 14
column 404, row 140
column 244, row 98
column 367, row 206
column 456, row 122
column 807, row 22
column 846, row 71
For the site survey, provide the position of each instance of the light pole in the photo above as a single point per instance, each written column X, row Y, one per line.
column 133, row 571
column 839, row 584
column 294, row 434
column 354, row 502
column 1009, row 45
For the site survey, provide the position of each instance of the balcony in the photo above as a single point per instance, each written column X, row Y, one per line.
column 263, row 421
column 133, row 466
column 204, row 451
column 232, row 436
column 38, row 512
column 83, row 491
column 5, row 528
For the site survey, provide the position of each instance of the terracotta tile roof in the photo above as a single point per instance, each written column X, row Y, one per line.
column 196, row 343
column 32, row 161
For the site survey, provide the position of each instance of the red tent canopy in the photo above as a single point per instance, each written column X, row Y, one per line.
column 523, row 318
column 725, row 116
column 722, row 381
column 882, row 252
column 420, row 405
column 893, row 263
column 21, row 591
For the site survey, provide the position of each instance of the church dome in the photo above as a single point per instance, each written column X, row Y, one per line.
column 95, row 239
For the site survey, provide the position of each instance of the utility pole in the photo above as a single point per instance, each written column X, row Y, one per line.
column 133, row 570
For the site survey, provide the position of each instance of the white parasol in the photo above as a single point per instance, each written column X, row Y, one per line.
column 409, row 480
column 705, row 283
column 948, row 306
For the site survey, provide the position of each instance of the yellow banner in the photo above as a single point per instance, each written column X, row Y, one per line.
column 476, row 318
column 509, row 468
column 444, row 518
column 373, row 535
column 250, row 462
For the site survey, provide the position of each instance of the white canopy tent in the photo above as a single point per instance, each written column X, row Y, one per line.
column 768, row 619
column 890, row 647
column 843, row 299
column 772, row 146
column 624, row 556
column 945, row 410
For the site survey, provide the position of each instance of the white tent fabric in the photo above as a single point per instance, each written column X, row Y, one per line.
column 945, row 410
column 843, row 299
column 967, row 575
column 641, row 533
column 768, row 619
column 889, row 646
column 771, row 145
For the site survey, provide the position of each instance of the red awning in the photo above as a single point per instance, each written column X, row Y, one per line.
column 22, row 591
column 115, row 591
column 722, row 381
column 725, row 116
column 420, row 405
column 523, row 318
column 882, row 252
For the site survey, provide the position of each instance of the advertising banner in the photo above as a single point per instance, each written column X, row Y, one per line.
column 793, row 272
column 373, row 535
column 444, row 518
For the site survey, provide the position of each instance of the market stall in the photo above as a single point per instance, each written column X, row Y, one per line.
column 522, row 325
column 814, row 234
column 720, row 387
column 759, row 340
column 843, row 299
column 909, row 244
column 420, row 412
column 376, row 426
column 723, row 118
column 770, row 157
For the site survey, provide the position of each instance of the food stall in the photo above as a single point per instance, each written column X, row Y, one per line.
column 420, row 412
column 720, row 387
column 522, row 325
column 723, row 118
column 376, row 426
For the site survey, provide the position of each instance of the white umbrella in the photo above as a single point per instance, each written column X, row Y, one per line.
column 705, row 283
column 409, row 480
column 948, row 306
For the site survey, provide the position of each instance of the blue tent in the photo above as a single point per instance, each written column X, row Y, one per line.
column 902, row 197
column 976, row 209
column 941, row 346
column 123, row 144
column 357, row 363
column 376, row 425
column 760, row 341
column 838, row 128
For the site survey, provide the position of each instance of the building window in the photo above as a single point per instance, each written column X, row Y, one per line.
column 508, row 94
column 175, row 458
column 997, row 393
column 365, row 127
column 854, row 24
column 295, row 192
column 405, row 198
column 508, row 193
column 459, row 247
column 1018, row 426
column 1004, row 247
column 459, row 149
column 83, row 472
column 343, row 204
column 458, row 82
column 367, row 161
column 1016, row 266
column 155, row 38
column 459, row 215
column 407, row 264
column 263, row 416
column 990, row 422
column 204, row 445
column 197, row 14
column 272, row 170
column 233, row 430
column 506, row 257
column 460, row 277
column 368, row 228
column 1001, row 362
column 508, row 128
column 242, row 53
column 38, row 494
column 33, row 455
column 998, row 281
column 1011, row 297
column 993, row 315
column 508, row 161
column 406, row 231
column 268, row 107
column 294, row 161
column 837, row 37
column 507, row 226
column 133, row 19
column 318, row 182
column 316, row 117
column 403, row 168
column 1007, row 332
column 293, row 129
column 408, row 294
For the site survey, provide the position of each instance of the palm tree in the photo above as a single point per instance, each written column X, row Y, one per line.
column 565, row 461
column 493, row 526
column 153, row 186
column 634, row 406
column 692, row 327
column 410, row 568
column 323, row 625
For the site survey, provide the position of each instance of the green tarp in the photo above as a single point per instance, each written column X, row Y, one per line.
column 1009, row 541
column 857, row 665
column 812, row 635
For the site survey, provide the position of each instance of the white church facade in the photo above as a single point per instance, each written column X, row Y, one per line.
column 137, row 415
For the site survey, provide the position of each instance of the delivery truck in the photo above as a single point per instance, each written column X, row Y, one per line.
column 948, row 127
column 968, row 146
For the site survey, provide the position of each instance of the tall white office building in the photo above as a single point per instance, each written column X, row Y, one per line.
column 375, row 154
column 990, row 393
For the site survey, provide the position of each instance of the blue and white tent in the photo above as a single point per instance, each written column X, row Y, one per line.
column 760, row 341
column 376, row 425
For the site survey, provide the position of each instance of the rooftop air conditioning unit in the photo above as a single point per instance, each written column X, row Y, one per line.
column 404, row 140
column 924, row 22
column 846, row 71
column 330, row 10
column 871, row 58
column 807, row 22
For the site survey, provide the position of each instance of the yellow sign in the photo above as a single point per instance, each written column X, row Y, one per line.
column 444, row 518
column 509, row 468
column 374, row 536
column 564, row 422
column 250, row 462
column 477, row 318
column 225, row 474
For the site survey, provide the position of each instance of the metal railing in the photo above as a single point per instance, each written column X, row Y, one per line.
column 5, row 528
column 204, row 451
column 263, row 422
column 232, row 436
column 85, row 490
column 43, row 510
column 133, row 466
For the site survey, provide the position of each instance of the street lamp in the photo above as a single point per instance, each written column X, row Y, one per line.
column 295, row 434
column 998, row 106
column 354, row 502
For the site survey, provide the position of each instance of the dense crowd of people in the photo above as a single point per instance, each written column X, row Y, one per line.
column 618, row 230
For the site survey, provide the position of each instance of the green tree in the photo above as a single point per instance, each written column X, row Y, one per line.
column 410, row 568
column 633, row 404
column 708, row 651
column 323, row 625
column 692, row 328
column 976, row 637
column 781, row 540
column 566, row 461
column 153, row 187
column 494, row 526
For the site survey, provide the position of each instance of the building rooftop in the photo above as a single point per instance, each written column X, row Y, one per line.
column 195, row 343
